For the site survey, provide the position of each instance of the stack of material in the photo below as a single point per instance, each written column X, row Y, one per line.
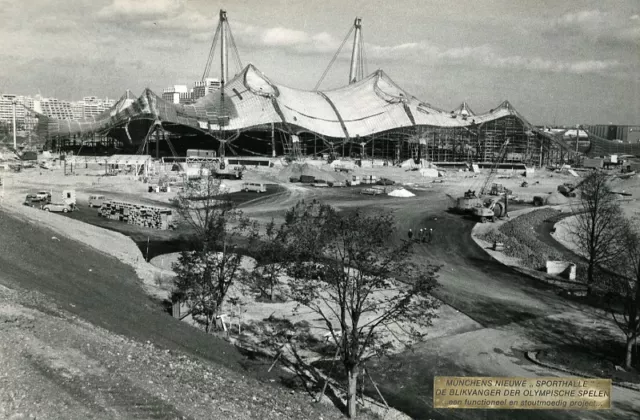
column 401, row 192
column 369, row 179
column 138, row 214
column 429, row 172
column 296, row 170
column 556, row 198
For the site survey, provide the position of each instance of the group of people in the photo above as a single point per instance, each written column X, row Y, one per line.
column 424, row 235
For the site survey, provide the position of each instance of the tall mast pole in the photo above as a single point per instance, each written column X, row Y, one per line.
column 355, row 52
column 223, row 48
column 15, row 145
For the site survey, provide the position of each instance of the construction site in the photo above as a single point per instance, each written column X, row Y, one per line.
column 108, row 184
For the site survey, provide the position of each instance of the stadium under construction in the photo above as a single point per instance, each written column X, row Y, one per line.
column 370, row 117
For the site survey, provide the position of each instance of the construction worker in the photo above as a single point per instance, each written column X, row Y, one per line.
column 421, row 235
column 410, row 234
column 430, row 234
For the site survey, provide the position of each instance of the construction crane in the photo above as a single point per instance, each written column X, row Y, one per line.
column 495, row 207
column 494, row 168
column 475, row 204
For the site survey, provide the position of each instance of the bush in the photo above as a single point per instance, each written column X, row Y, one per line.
column 520, row 239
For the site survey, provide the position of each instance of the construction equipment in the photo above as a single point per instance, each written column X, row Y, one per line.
column 499, row 189
column 492, row 209
column 568, row 189
column 471, row 201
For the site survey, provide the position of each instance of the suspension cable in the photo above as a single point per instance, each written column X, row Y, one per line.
column 335, row 56
column 207, row 67
column 364, row 55
column 235, row 47
column 360, row 58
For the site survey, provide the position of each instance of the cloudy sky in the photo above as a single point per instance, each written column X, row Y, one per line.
column 557, row 61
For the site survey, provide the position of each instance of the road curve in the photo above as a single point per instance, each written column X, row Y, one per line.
column 517, row 313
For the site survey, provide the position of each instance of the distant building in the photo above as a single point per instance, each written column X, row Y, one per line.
column 177, row 94
column 624, row 133
column 205, row 87
column 23, row 120
column 90, row 106
column 54, row 108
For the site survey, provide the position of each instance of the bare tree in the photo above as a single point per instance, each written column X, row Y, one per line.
column 597, row 228
column 205, row 274
column 624, row 286
column 270, row 251
column 364, row 288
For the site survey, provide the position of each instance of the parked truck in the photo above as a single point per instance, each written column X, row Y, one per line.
column 63, row 201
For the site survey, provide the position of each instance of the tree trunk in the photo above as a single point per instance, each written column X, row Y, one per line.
column 271, row 292
column 627, row 360
column 352, row 392
column 590, row 278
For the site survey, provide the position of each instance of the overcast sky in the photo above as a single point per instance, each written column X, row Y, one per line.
column 556, row 61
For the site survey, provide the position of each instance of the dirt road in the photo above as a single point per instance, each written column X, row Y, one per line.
column 516, row 313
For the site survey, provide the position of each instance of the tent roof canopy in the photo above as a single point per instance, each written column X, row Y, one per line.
column 251, row 100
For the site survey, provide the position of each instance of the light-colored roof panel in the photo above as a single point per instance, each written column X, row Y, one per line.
column 372, row 105
column 309, row 110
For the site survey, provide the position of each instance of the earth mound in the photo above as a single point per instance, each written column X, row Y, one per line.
column 296, row 170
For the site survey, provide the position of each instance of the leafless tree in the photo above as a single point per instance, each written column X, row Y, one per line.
column 270, row 251
column 205, row 274
column 624, row 285
column 598, row 225
column 364, row 288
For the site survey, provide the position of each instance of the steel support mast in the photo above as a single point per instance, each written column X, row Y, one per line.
column 224, row 56
column 15, row 144
column 355, row 52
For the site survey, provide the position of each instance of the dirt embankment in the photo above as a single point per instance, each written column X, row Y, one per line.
column 57, row 366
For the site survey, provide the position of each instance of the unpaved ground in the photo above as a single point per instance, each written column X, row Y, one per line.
column 57, row 366
column 514, row 313
column 252, row 310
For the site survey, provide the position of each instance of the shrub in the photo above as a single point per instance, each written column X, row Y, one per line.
column 520, row 239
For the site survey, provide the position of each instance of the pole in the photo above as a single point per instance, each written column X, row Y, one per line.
column 147, row 249
column 273, row 141
column 15, row 144
column 373, row 143
column 355, row 52
column 541, row 141
column 223, row 47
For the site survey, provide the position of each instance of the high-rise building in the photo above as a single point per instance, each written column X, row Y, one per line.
column 204, row 87
column 54, row 108
column 6, row 110
column 177, row 94
column 90, row 106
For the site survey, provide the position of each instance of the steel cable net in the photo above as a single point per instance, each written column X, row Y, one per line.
column 250, row 101
column 602, row 147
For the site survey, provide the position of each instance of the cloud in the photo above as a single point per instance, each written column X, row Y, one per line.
column 485, row 56
column 54, row 25
column 185, row 23
column 584, row 17
column 596, row 26
column 141, row 9
column 168, row 19
column 284, row 37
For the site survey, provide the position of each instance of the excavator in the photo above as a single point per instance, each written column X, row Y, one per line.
column 488, row 208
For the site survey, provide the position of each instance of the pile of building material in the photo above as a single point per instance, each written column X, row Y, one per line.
column 556, row 198
column 296, row 171
column 369, row 179
column 138, row 214
column 401, row 192
column 429, row 172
